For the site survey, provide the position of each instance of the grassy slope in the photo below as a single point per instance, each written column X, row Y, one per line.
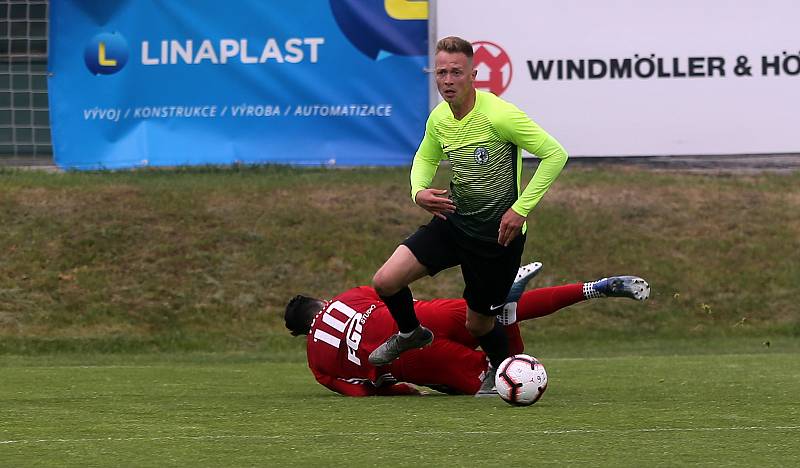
column 205, row 259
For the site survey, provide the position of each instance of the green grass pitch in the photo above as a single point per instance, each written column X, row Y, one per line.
column 222, row 410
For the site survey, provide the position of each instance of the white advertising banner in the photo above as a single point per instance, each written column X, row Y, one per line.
column 642, row 78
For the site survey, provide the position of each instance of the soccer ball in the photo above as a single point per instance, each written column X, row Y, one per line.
column 521, row 380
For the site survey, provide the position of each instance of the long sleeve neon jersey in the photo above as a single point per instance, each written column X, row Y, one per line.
column 485, row 153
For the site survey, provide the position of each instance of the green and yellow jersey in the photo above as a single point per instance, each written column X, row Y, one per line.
column 485, row 153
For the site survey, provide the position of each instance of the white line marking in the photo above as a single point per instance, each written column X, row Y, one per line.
column 124, row 439
column 423, row 433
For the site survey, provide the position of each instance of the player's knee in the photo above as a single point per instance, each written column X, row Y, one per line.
column 383, row 284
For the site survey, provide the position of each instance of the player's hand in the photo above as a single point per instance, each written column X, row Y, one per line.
column 435, row 201
column 510, row 227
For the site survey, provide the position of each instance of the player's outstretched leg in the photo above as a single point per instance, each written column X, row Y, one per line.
column 398, row 344
column 618, row 286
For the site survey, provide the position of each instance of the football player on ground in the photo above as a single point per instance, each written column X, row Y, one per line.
column 342, row 332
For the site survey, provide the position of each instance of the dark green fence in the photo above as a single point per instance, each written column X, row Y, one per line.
column 24, row 114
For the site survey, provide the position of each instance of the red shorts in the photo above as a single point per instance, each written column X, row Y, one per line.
column 449, row 366
column 445, row 366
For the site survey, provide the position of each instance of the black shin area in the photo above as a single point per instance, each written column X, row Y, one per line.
column 495, row 344
column 401, row 306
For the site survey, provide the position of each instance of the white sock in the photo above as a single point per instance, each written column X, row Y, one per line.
column 589, row 292
column 406, row 335
column 508, row 315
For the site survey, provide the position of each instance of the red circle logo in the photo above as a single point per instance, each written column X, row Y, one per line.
column 493, row 65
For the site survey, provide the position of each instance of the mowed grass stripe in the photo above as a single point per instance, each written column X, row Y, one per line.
column 420, row 433
column 166, row 361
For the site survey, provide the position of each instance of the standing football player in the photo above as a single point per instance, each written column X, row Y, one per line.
column 344, row 331
column 480, row 225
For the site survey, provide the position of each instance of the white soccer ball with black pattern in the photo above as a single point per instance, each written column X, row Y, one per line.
column 521, row 380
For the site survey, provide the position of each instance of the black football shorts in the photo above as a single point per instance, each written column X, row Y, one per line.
column 488, row 268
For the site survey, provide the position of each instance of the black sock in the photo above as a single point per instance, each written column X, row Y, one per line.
column 495, row 344
column 401, row 306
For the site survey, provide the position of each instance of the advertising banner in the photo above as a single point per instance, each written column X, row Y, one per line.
column 633, row 78
column 160, row 82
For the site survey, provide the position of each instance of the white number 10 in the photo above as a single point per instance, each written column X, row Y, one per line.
column 351, row 329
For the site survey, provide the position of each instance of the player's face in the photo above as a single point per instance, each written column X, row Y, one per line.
column 454, row 76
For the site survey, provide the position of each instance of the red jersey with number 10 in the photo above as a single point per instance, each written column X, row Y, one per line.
column 356, row 322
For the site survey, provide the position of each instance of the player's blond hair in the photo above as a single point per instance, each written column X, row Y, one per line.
column 455, row 45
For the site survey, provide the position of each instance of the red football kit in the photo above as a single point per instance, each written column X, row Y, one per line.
column 356, row 322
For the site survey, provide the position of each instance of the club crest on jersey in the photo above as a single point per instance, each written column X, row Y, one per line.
column 481, row 155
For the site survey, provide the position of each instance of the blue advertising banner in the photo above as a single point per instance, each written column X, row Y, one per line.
column 158, row 82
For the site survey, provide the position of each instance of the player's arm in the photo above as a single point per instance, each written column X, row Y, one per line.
column 423, row 169
column 426, row 161
column 345, row 387
column 518, row 128
column 362, row 388
column 398, row 389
